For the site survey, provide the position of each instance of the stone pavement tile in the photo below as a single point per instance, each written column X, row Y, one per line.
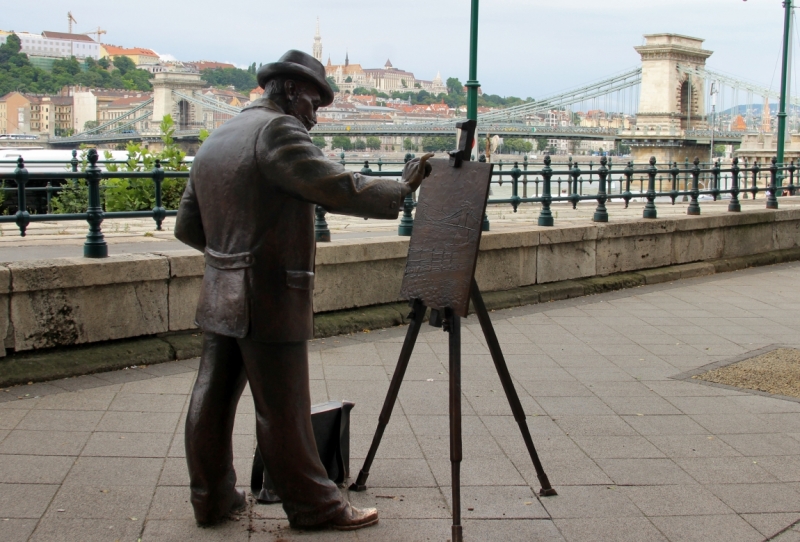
column 496, row 403
column 3, row 434
column 39, row 389
column 183, row 367
column 184, row 530
column 617, row 447
column 423, row 398
column 392, row 447
column 771, row 524
column 693, row 446
column 98, row 502
column 706, row 405
column 244, row 424
column 11, row 417
column 561, row 471
column 96, row 399
column 649, row 405
column 114, row 471
column 785, row 469
column 148, row 402
column 536, row 388
column 440, row 425
column 176, row 473
column 611, row 351
column 511, row 530
column 781, row 423
column 86, row 530
column 192, row 364
column 84, row 382
column 60, row 420
column 767, row 444
column 725, row 470
column 398, row 473
column 733, row 423
column 34, row 469
column 178, row 385
column 590, row 375
column 138, row 422
column 171, row 502
column 675, row 500
column 590, row 502
column 438, row 447
column 24, row 500
column 387, row 530
column 125, row 375
column 17, row 530
column 278, row 530
column 114, row 444
column 497, row 502
column 478, row 472
column 662, row 372
column 644, row 471
column 704, row 528
column 758, row 404
column 665, row 425
column 506, row 426
column 753, row 498
column 629, row 529
column 44, row 443
column 407, row 503
column 619, row 390
column 365, row 423
column 594, row 425
column 574, row 406
column 560, row 446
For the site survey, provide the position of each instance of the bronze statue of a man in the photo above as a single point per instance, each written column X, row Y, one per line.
column 249, row 206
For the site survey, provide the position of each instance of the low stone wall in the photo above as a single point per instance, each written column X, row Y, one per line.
column 68, row 301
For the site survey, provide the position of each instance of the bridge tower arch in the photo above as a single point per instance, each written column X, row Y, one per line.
column 185, row 114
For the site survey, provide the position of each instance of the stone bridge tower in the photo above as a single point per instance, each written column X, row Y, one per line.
column 671, row 101
column 187, row 116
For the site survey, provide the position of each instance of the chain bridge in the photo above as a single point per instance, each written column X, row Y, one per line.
column 667, row 96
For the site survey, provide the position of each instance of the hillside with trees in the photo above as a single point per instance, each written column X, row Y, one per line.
column 17, row 73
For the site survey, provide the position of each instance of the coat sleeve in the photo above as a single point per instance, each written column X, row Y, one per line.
column 189, row 223
column 287, row 157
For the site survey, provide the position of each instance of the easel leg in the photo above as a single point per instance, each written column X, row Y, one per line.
column 454, row 328
column 508, row 386
column 417, row 315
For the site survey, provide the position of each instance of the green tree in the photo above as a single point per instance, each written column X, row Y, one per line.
column 359, row 145
column 438, row 143
column 454, row 86
column 319, row 141
column 241, row 80
column 348, row 80
column 341, row 142
column 541, row 144
column 123, row 64
column 332, row 82
column 374, row 143
column 408, row 145
column 361, row 91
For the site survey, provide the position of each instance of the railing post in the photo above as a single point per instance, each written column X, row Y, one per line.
column 366, row 169
column 407, row 222
column 650, row 206
column 380, row 164
column 322, row 234
column 772, row 201
column 74, row 162
column 792, row 188
column 734, row 206
column 23, row 218
column 545, row 215
column 715, row 176
column 516, row 173
column 95, row 245
column 674, row 172
column 628, row 177
column 686, row 179
column 525, row 177
column 575, row 173
column 755, row 170
column 601, row 214
column 694, row 206
column 485, row 224
column 159, row 213
column 342, row 160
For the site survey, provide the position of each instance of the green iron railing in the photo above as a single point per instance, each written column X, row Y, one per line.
column 528, row 185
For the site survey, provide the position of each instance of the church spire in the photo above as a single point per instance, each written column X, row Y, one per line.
column 347, row 58
column 317, row 49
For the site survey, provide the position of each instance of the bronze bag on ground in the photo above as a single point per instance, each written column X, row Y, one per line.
column 331, row 423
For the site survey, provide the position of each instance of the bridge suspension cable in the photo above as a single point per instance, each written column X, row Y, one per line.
column 209, row 103
column 102, row 127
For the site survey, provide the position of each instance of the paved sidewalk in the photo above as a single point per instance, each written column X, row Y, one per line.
column 635, row 455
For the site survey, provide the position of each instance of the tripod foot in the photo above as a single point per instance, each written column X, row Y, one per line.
column 457, row 534
column 549, row 492
column 361, row 482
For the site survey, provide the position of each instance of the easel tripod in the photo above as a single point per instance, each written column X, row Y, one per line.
column 451, row 323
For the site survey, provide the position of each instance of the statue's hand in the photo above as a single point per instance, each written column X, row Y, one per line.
column 416, row 170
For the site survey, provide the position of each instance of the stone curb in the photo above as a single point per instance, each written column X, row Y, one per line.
column 66, row 362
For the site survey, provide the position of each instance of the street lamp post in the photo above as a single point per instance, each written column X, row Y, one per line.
column 713, row 118
column 787, row 24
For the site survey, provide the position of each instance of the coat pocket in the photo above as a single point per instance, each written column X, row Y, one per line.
column 224, row 307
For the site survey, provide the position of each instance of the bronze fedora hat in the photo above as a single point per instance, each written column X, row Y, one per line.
column 301, row 65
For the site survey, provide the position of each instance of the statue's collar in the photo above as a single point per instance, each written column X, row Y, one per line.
column 265, row 103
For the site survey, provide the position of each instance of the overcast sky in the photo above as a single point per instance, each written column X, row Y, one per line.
column 526, row 47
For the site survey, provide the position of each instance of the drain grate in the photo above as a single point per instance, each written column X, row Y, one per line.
column 775, row 372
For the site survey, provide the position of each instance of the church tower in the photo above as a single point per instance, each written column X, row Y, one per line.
column 317, row 50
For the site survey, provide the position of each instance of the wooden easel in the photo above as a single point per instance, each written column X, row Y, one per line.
column 440, row 275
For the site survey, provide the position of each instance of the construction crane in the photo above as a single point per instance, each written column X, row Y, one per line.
column 99, row 32
column 70, row 20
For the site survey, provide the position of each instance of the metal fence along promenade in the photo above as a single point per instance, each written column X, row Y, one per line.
column 570, row 184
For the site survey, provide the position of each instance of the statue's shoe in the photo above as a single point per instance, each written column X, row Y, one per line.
column 238, row 504
column 352, row 518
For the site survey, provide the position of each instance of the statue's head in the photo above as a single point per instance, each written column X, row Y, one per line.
column 297, row 83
